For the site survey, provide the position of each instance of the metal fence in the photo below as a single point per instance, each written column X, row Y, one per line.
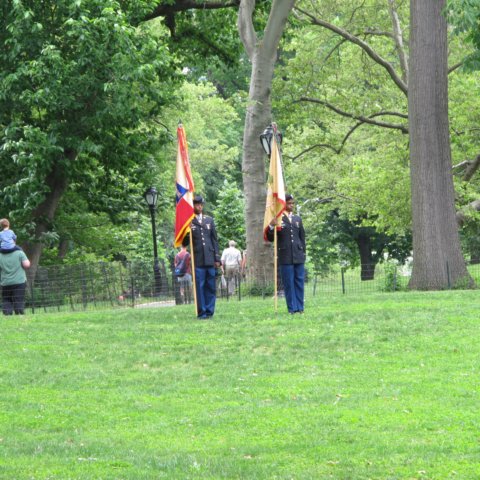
column 120, row 285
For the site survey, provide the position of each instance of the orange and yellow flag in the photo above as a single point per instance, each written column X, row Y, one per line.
column 275, row 187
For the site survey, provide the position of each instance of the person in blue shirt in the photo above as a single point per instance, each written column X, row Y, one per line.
column 7, row 237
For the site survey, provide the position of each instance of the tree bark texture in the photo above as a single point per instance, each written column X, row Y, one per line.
column 262, row 54
column 44, row 214
column 438, row 262
column 258, row 116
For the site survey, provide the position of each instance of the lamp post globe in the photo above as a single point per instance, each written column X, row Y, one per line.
column 151, row 197
column 266, row 138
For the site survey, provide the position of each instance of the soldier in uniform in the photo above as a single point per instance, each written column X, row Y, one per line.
column 291, row 255
column 206, row 258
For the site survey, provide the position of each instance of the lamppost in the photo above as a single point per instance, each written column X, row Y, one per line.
column 151, row 197
column 266, row 138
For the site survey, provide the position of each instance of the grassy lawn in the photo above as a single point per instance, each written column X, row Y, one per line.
column 384, row 386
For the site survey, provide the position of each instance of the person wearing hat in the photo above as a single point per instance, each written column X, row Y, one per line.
column 291, row 254
column 206, row 258
column 231, row 262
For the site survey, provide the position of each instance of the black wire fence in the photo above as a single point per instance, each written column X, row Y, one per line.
column 89, row 286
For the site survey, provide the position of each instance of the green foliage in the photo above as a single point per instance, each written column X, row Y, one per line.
column 465, row 16
column 257, row 289
column 230, row 216
column 204, row 38
column 78, row 87
column 360, row 172
column 337, row 164
column 213, row 130
column 333, row 240
column 394, row 282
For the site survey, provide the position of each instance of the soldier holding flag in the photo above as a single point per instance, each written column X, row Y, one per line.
column 291, row 255
column 284, row 229
column 206, row 257
column 191, row 225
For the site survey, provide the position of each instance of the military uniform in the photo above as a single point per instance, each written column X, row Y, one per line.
column 291, row 252
column 205, row 243
column 205, row 253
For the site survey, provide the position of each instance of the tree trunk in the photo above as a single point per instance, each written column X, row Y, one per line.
column 367, row 271
column 258, row 116
column 438, row 262
column 62, row 248
column 262, row 54
column 44, row 214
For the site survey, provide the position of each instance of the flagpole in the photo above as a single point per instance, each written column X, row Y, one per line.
column 192, row 256
column 275, row 276
column 275, row 204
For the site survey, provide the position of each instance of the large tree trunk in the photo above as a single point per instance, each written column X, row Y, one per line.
column 258, row 116
column 44, row 214
column 438, row 261
column 262, row 54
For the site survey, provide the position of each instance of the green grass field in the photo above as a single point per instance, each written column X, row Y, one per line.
column 384, row 386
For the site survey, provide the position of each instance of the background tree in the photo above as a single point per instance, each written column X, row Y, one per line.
column 111, row 222
column 465, row 15
column 262, row 54
column 335, row 113
column 438, row 259
column 346, row 143
column 334, row 241
column 81, row 83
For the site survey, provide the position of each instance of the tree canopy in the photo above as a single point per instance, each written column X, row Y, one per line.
column 91, row 93
column 78, row 83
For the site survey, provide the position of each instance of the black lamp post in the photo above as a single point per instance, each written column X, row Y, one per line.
column 151, row 197
column 266, row 138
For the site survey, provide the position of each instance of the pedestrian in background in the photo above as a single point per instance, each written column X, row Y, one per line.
column 183, row 273
column 13, row 281
column 231, row 263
